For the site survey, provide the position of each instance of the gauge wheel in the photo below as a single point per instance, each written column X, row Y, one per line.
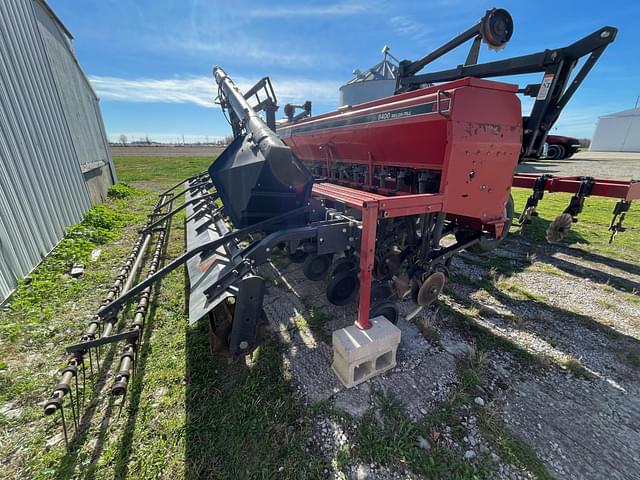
column 343, row 264
column 316, row 266
column 343, row 287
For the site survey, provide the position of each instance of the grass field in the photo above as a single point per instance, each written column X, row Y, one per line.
column 188, row 414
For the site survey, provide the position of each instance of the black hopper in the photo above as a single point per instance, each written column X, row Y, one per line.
column 256, row 183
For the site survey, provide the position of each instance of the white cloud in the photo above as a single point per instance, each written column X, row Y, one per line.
column 201, row 90
column 319, row 10
column 197, row 90
column 408, row 27
column 253, row 50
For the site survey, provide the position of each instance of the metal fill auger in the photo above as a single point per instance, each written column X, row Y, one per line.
column 374, row 199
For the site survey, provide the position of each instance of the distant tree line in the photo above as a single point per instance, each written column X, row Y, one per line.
column 123, row 140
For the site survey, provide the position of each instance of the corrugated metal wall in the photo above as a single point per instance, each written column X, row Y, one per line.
column 78, row 98
column 42, row 190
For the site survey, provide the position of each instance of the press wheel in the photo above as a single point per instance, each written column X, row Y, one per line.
column 316, row 266
column 342, row 287
column 343, row 264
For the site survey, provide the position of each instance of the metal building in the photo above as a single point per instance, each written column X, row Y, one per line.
column 617, row 132
column 377, row 82
column 54, row 157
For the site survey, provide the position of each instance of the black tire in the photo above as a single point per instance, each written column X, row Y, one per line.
column 555, row 152
column 568, row 152
column 387, row 309
column 316, row 266
column 343, row 265
column 342, row 288
column 488, row 244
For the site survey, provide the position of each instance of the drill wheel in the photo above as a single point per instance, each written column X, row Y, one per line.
column 343, row 287
column 316, row 266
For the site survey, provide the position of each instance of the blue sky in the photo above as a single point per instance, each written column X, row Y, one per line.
column 150, row 61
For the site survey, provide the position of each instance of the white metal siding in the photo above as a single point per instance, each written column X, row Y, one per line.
column 617, row 134
column 81, row 107
column 42, row 190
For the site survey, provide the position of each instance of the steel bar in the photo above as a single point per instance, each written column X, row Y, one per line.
column 127, row 358
column 197, row 176
column 126, row 275
column 209, row 196
column 204, row 185
column 88, row 345
column 108, row 309
column 625, row 190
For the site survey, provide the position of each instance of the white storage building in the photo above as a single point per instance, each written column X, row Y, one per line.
column 617, row 132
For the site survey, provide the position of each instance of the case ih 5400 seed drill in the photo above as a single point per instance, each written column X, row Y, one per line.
column 375, row 198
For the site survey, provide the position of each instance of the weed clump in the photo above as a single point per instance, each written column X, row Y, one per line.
column 121, row 190
column 31, row 299
column 101, row 216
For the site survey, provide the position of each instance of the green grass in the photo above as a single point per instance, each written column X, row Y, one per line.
column 513, row 449
column 591, row 232
column 174, row 169
column 385, row 435
column 389, row 437
column 517, row 290
column 187, row 414
column 576, row 367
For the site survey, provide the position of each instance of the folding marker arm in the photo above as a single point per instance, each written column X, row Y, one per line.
column 581, row 187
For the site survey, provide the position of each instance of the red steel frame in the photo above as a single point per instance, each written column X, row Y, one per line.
column 622, row 189
column 374, row 207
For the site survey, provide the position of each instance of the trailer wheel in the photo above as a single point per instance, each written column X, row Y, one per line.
column 386, row 309
column 488, row 244
column 342, row 288
column 316, row 266
column 555, row 152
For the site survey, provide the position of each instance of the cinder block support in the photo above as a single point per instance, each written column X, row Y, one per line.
column 359, row 354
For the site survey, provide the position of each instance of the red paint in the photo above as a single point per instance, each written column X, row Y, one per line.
column 473, row 136
column 623, row 189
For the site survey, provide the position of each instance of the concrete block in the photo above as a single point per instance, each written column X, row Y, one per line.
column 359, row 355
